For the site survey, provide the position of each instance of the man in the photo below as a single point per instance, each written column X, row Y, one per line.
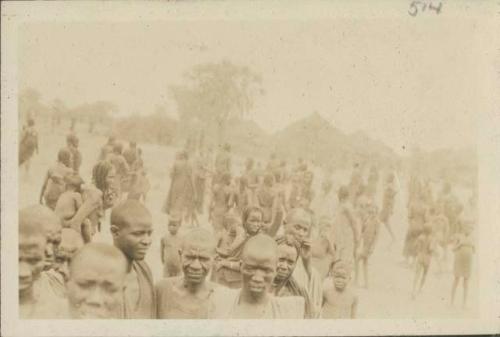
column 258, row 267
column 130, row 154
column 72, row 143
column 122, row 169
column 284, row 284
column 298, row 224
column 32, row 247
column 189, row 296
column 222, row 163
column 107, row 148
column 131, row 228
column 96, row 281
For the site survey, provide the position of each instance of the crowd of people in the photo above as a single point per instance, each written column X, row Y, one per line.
column 263, row 243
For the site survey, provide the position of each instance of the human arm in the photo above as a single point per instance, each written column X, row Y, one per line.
column 44, row 186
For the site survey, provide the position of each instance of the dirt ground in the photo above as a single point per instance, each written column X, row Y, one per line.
column 390, row 281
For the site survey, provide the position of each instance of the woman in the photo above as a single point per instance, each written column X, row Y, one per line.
column 181, row 195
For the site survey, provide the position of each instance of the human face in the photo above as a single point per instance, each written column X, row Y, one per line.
column 254, row 222
column 53, row 237
column 31, row 261
column 63, row 258
column 258, row 269
column 340, row 279
column 196, row 259
column 287, row 259
column 110, row 178
column 95, row 288
column 134, row 237
column 173, row 227
column 299, row 226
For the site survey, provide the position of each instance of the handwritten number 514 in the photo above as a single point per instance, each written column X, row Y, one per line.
column 416, row 6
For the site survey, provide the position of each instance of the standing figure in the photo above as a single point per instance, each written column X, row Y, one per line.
column 181, row 195
column 339, row 299
column 28, row 144
column 425, row 248
column 201, row 173
column 370, row 225
column 170, row 245
column 266, row 199
column 54, row 184
column 249, row 182
column 258, row 264
column 222, row 163
column 417, row 211
column 388, row 201
column 222, row 194
column 131, row 228
column 372, row 182
column 190, row 295
column 463, row 248
column 345, row 235
column 121, row 168
column 72, row 143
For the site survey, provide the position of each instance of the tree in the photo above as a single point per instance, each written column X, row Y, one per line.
column 216, row 92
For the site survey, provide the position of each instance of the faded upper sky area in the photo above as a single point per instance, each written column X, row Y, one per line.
column 403, row 82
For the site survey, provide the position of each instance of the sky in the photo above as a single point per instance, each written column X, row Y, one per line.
column 402, row 82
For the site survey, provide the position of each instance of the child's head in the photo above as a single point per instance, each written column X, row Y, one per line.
column 73, row 183
column 341, row 275
column 174, row 222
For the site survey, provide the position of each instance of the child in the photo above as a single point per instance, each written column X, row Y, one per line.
column 463, row 247
column 70, row 200
column 424, row 247
column 54, row 185
column 339, row 299
column 370, row 225
column 170, row 245
column 322, row 248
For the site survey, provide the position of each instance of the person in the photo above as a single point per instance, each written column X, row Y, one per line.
column 34, row 299
column 370, row 225
column 222, row 195
column 72, row 143
column 372, row 181
column 107, row 148
column 122, row 169
column 139, row 183
column 440, row 230
column 189, row 296
column 104, row 179
column 96, row 281
column 53, row 185
column 56, row 277
column 231, row 236
column 425, row 248
column 227, row 268
column 417, row 210
column 131, row 228
column 390, row 192
column 222, row 162
column 70, row 200
column 181, row 194
column 28, row 145
column 326, row 203
column 201, row 173
column 279, row 207
column 249, row 182
column 463, row 248
column 254, row 300
column 323, row 247
column 130, row 154
column 266, row 199
column 339, row 299
column 345, row 232
column 355, row 183
column 284, row 284
column 88, row 216
column 298, row 223
column 170, row 245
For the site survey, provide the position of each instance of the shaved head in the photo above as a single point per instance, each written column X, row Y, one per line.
column 96, row 281
column 39, row 216
column 260, row 244
column 128, row 211
column 199, row 237
column 106, row 253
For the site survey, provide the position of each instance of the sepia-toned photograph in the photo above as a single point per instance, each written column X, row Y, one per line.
column 238, row 167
